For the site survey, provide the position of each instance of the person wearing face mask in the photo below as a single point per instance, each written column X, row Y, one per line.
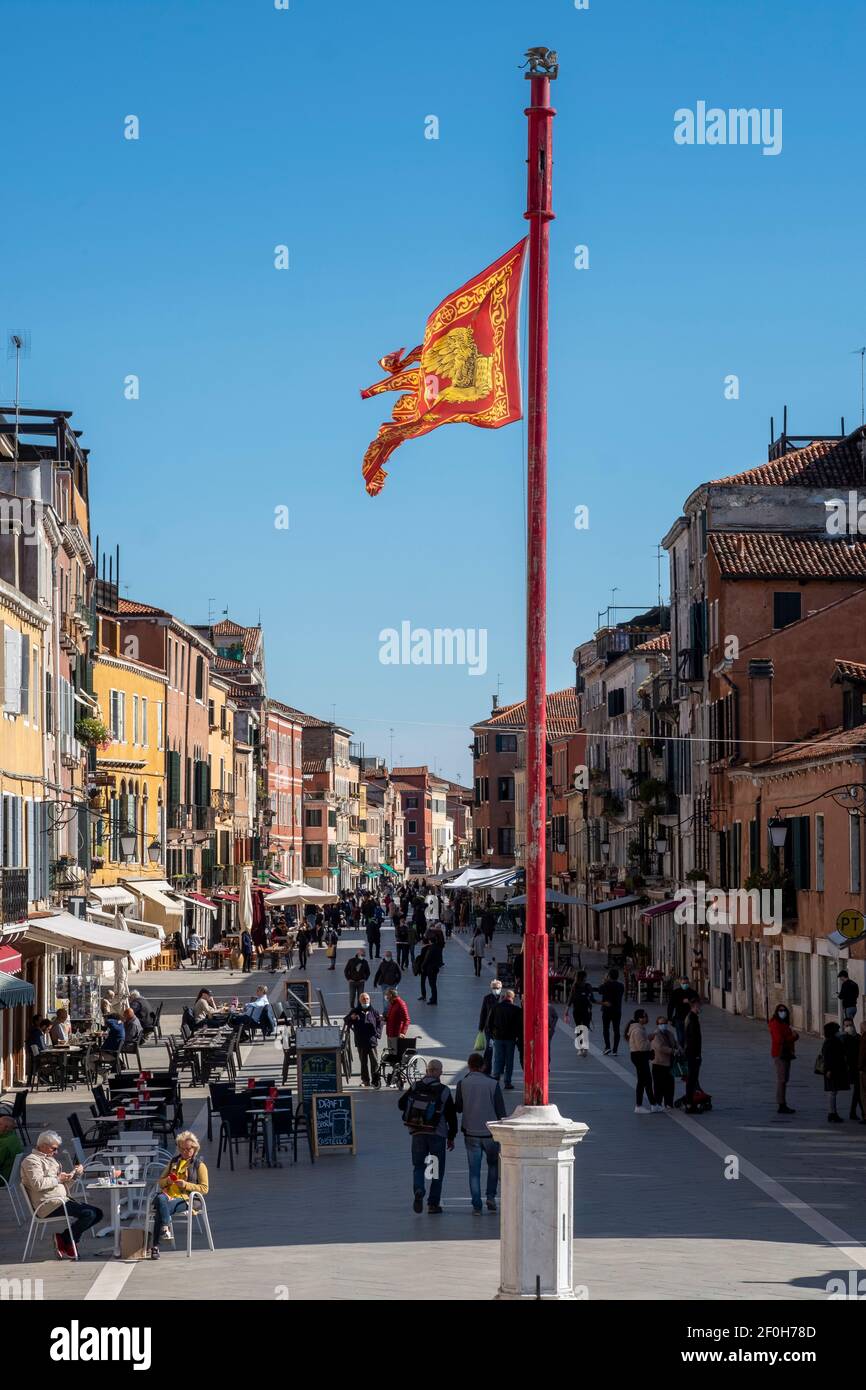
column 782, row 1039
column 663, row 1043
column 678, row 1008
column 851, row 1044
column 834, row 1067
column 488, row 1004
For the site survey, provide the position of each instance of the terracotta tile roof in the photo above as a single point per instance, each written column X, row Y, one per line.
column 850, row 671
column 280, row 708
column 561, row 714
column 662, row 643
column 826, row 463
column 817, row 749
column 134, row 609
column 312, row 765
column 250, row 636
column 225, row 663
column 307, row 721
column 411, row 772
column 770, row 555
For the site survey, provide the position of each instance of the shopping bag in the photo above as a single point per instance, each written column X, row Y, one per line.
column 480, row 1043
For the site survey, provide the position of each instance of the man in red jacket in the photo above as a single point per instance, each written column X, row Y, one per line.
column 396, row 1020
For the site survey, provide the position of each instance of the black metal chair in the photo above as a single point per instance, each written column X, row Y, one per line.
column 234, row 1127
column 153, row 1029
column 18, row 1111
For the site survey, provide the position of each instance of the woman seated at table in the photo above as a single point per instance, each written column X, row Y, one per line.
column 183, row 1175
column 61, row 1028
column 39, row 1035
column 205, row 1005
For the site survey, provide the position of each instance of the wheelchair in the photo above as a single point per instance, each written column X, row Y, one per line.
column 403, row 1067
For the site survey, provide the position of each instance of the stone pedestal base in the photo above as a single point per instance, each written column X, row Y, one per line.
column 537, row 1200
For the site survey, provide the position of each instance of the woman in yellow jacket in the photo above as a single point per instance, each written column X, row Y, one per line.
column 185, row 1174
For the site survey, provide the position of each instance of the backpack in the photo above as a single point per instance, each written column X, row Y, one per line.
column 424, row 1105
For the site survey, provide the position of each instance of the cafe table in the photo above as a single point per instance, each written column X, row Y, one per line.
column 115, row 1187
column 258, row 1111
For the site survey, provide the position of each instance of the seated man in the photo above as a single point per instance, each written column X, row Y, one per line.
column 260, row 1011
column 132, row 1029
column 142, row 1008
column 114, row 1033
column 46, row 1187
column 61, row 1028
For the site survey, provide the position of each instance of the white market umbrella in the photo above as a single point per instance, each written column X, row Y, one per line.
column 298, row 894
column 245, row 903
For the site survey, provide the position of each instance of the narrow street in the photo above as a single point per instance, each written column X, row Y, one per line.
column 655, row 1215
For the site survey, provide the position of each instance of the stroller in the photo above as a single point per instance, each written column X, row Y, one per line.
column 701, row 1102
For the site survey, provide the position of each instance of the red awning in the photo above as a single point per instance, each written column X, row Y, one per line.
column 225, row 897
column 198, row 897
column 10, row 961
column 659, row 908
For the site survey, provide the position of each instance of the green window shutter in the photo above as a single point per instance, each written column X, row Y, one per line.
column 174, row 778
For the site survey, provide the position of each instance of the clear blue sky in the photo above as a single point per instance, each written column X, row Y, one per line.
column 306, row 127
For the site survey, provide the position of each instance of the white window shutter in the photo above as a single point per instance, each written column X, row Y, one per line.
column 12, row 670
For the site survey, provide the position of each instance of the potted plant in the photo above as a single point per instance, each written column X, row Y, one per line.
column 93, row 733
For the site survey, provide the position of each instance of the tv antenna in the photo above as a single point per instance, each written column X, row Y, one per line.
column 17, row 346
column 861, row 353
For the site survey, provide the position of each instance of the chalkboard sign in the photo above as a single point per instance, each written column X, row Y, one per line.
column 302, row 988
column 333, row 1123
column 318, row 1070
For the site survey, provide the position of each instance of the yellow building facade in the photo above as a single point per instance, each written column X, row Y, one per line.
column 128, row 786
column 217, row 860
column 23, row 629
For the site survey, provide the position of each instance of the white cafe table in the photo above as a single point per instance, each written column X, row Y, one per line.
column 115, row 1188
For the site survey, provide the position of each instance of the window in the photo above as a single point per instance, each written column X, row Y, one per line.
column 615, row 702
column 159, row 726
column 777, row 967
column 313, row 856
column 506, row 789
column 118, row 715
column 199, row 679
column 798, row 860
column 506, row 743
column 143, row 739
column 135, row 719
column 482, row 790
column 786, row 608
column 411, row 852
column 35, row 688
column 505, row 840
column 819, row 854
column 411, row 827
column 855, row 857
column 754, row 847
column 794, row 988
column 313, row 817
column 411, row 803
column 211, row 716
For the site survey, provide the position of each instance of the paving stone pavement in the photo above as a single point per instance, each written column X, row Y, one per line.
column 655, row 1214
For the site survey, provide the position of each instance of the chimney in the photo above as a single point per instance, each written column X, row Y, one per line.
column 495, row 704
column 761, row 676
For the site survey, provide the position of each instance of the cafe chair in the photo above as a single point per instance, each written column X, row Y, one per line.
column 195, row 1211
column 153, row 1030
column 234, row 1127
column 89, row 1139
column 39, row 1222
column 18, row 1111
column 12, row 1185
column 219, row 1093
column 101, row 1100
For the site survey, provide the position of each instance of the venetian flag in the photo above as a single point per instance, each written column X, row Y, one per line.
column 467, row 368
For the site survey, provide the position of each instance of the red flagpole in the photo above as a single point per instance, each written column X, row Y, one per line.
column 538, row 212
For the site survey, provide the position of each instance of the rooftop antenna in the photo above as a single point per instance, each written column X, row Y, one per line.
column 17, row 346
column 659, row 574
column 210, row 604
column 861, row 352
column 391, row 737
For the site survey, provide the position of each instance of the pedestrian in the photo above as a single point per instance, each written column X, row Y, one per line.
column 487, row 1005
column 505, row 1025
column 374, row 935
column 552, row 1020
column 678, row 1007
column 488, row 921
column 401, row 941
column 782, row 1052
column 639, row 1051
column 302, row 941
column 861, row 1072
column 430, row 963
column 834, row 1067
column 331, row 939
column 692, row 1047
column 388, row 973
column 851, row 1044
column 193, row 946
column 247, row 952
column 579, row 1003
column 366, row 1025
column 477, row 949
column 411, row 940
column 611, row 991
column 396, row 1021
column 478, row 1100
column 357, row 972
column 517, row 968
column 849, row 993
column 664, row 1045
column 47, row 1187
column 430, row 1116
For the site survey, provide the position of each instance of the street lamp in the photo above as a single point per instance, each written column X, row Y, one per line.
column 778, row 829
column 605, row 849
column 127, row 843
column 661, row 844
column 154, row 851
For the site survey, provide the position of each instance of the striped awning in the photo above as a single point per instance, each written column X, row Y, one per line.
column 10, row 960
column 15, row 992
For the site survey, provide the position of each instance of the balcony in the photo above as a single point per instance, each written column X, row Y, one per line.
column 199, row 819
column 223, row 803
column 13, row 897
column 690, row 665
